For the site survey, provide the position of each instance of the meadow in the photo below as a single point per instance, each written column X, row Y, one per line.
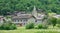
column 23, row 30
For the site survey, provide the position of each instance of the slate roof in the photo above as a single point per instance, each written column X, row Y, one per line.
column 22, row 16
column 40, row 16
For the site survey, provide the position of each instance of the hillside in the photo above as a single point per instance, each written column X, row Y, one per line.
column 27, row 5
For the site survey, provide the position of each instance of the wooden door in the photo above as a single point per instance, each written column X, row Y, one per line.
column 20, row 24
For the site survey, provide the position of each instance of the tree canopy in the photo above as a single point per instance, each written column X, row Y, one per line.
column 27, row 5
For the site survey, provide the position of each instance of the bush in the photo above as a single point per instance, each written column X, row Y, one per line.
column 58, row 20
column 30, row 26
column 12, row 27
column 53, row 21
column 41, row 26
column 7, row 26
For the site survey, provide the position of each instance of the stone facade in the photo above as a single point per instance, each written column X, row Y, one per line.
column 23, row 18
column 1, row 19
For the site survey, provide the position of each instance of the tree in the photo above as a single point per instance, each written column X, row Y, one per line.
column 53, row 20
column 23, row 5
column 58, row 20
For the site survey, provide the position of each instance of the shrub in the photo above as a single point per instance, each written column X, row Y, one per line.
column 8, row 26
column 5, row 26
column 53, row 21
column 12, row 27
column 41, row 26
column 58, row 20
column 30, row 26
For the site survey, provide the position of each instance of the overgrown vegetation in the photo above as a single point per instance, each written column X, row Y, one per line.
column 30, row 26
column 53, row 20
column 41, row 26
column 58, row 22
column 7, row 26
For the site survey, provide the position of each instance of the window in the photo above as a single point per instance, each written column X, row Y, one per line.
column 21, row 20
column 35, row 20
column 24, row 20
column 16, row 20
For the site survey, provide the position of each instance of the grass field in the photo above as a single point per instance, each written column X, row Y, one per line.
column 23, row 30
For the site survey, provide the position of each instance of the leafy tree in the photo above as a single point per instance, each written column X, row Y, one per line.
column 27, row 5
column 53, row 20
column 58, row 20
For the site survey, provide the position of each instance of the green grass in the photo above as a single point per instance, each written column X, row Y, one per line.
column 23, row 30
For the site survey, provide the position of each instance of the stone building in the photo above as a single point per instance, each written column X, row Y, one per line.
column 22, row 18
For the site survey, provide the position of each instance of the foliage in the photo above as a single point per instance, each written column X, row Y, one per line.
column 41, row 26
column 53, row 20
column 8, row 26
column 30, row 26
column 58, row 20
column 51, row 14
column 27, row 5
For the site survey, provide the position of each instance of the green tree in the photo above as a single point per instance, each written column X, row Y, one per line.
column 27, row 5
column 53, row 20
